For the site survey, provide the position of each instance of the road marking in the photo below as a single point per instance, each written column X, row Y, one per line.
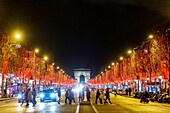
column 77, row 109
column 94, row 108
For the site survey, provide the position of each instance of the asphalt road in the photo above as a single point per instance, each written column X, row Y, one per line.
column 122, row 104
column 119, row 105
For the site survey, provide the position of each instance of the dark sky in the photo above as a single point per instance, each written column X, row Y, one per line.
column 84, row 33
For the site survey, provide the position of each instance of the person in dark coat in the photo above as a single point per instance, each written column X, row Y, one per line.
column 59, row 95
column 97, row 95
column 72, row 97
column 108, row 95
column 130, row 90
column 88, row 94
column 80, row 96
column 34, row 97
column 67, row 96
column 24, row 99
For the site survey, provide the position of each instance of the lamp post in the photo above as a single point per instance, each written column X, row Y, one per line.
column 8, row 42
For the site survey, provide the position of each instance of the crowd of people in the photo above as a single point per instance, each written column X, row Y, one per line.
column 100, row 95
column 70, row 95
column 30, row 96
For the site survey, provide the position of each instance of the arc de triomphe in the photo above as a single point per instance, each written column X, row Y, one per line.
column 82, row 75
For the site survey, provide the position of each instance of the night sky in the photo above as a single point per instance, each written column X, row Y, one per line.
column 83, row 33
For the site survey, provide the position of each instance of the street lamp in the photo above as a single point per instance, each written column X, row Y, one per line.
column 121, row 58
column 108, row 67
column 53, row 64
column 129, row 52
column 58, row 67
column 113, row 64
column 17, row 36
column 150, row 36
column 45, row 58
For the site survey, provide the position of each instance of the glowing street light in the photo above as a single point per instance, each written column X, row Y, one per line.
column 53, row 64
column 113, row 64
column 102, row 72
column 58, row 67
column 129, row 52
column 150, row 36
column 121, row 58
column 109, row 67
column 17, row 36
column 36, row 50
column 45, row 58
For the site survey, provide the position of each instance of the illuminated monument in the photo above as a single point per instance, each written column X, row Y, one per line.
column 82, row 75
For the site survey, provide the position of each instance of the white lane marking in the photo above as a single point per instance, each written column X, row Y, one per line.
column 77, row 109
column 94, row 108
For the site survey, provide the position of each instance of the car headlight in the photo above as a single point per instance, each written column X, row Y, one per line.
column 42, row 95
column 19, row 96
column 52, row 95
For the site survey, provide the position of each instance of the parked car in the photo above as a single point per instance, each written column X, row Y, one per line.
column 121, row 92
column 155, row 97
column 161, row 98
column 48, row 94
column 138, row 95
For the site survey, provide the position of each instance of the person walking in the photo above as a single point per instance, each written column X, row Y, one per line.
column 80, row 96
column 29, row 97
column 24, row 97
column 66, row 96
column 97, row 95
column 130, row 90
column 88, row 94
column 34, row 94
column 72, row 97
column 59, row 95
column 108, row 95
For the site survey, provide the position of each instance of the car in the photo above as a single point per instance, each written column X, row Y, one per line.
column 121, row 92
column 48, row 94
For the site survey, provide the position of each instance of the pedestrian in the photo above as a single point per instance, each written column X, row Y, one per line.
column 126, row 91
column 80, row 96
column 101, row 96
column 34, row 94
column 130, row 90
column 67, row 96
column 97, row 95
column 59, row 95
column 72, row 97
column 5, row 93
column 24, row 98
column 88, row 94
column 108, row 95
column 29, row 97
